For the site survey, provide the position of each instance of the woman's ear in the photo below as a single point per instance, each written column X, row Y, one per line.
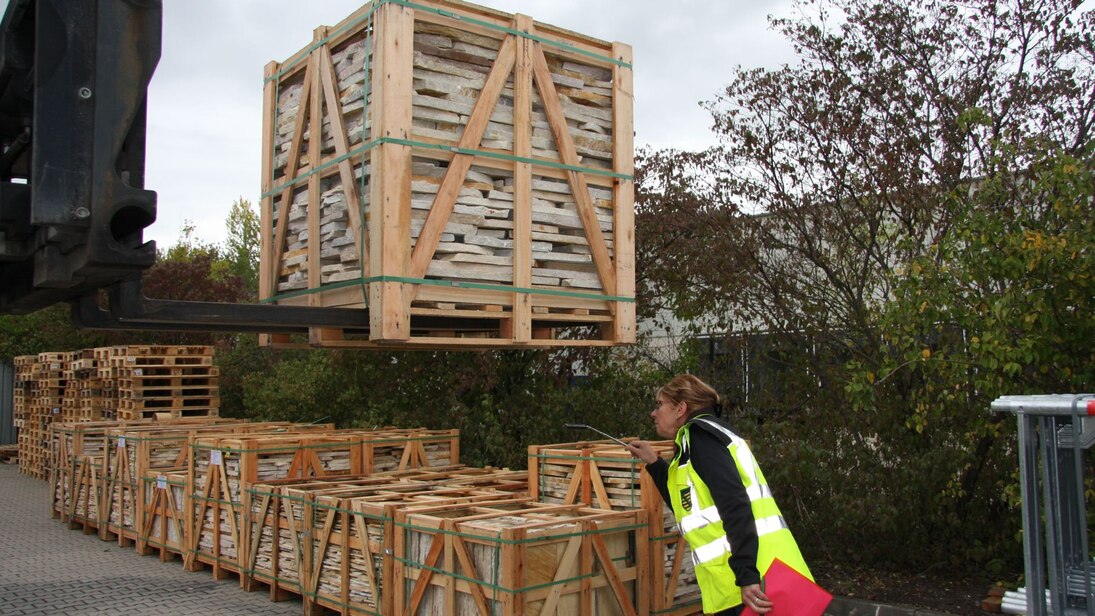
column 681, row 411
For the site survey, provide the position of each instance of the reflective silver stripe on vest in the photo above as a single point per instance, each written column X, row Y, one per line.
column 757, row 492
column 699, row 519
column 716, row 549
column 770, row 525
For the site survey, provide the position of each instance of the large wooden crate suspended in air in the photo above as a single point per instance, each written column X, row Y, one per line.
column 463, row 174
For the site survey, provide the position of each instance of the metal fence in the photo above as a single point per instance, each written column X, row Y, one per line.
column 7, row 404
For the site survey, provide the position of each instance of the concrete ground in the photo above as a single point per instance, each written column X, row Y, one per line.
column 47, row 568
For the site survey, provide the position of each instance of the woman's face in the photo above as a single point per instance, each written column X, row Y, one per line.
column 668, row 417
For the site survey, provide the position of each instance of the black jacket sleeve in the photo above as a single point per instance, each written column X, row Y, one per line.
column 716, row 467
column 659, row 472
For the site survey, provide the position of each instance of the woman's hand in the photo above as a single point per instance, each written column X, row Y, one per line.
column 642, row 450
column 755, row 599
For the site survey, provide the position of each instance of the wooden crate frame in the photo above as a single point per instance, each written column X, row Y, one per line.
column 211, row 492
column 405, row 308
column 129, row 453
column 549, row 560
column 603, row 474
column 162, row 523
column 337, row 521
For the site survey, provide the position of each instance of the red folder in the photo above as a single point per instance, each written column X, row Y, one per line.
column 791, row 593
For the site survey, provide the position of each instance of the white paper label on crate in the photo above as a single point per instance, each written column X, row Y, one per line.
column 215, row 457
column 138, row 372
column 121, row 442
column 161, row 483
column 56, row 411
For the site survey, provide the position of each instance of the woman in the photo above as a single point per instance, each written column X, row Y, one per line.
column 719, row 498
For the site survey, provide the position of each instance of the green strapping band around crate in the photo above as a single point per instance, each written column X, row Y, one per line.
column 486, row 24
column 525, row 541
column 444, row 148
column 482, row 286
column 340, row 444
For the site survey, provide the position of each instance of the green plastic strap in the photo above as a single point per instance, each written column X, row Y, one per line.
column 378, row 3
column 493, row 585
column 362, row 149
column 528, row 540
column 449, row 283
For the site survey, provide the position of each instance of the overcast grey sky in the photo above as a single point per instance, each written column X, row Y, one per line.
column 205, row 102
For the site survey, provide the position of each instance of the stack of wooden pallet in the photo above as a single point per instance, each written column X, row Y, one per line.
column 180, row 381
column 46, row 394
column 21, row 389
column 108, row 383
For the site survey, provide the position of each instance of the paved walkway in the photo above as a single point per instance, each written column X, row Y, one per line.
column 46, row 568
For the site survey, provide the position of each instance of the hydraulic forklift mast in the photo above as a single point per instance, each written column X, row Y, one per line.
column 74, row 78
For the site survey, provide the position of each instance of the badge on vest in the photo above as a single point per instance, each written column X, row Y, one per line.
column 686, row 499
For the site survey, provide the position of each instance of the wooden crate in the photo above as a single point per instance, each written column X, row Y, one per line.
column 68, row 440
column 519, row 558
column 348, row 525
column 221, row 469
column 264, row 555
column 402, row 449
column 603, row 474
column 266, row 559
column 465, row 174
column 134, row 451
column 83, row 493
column 162, row 520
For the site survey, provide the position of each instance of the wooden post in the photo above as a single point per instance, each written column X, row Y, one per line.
column 623, row 162
column 390, row 196
column 522, row 182
column 267, row 269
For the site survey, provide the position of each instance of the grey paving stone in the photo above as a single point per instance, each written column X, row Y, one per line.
column 49, row 569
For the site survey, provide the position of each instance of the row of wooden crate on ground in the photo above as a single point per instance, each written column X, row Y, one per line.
column 120, row 382
column 382, row 521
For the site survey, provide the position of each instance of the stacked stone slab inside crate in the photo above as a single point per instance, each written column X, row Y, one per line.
column 519, row 557
column 108, row 383
column 221, row 471
column 502, row 212
column 349, row 520
column 290, row 507
column 604, row 474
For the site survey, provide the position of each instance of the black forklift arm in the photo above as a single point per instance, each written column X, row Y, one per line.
column 74, row 78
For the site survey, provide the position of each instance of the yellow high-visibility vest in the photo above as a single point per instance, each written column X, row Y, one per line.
column 700, row 524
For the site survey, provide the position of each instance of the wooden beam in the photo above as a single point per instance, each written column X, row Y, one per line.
column 266, row 206
column 522, row 184
column 623, row 199
column 390, row 179
column 315, row 148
